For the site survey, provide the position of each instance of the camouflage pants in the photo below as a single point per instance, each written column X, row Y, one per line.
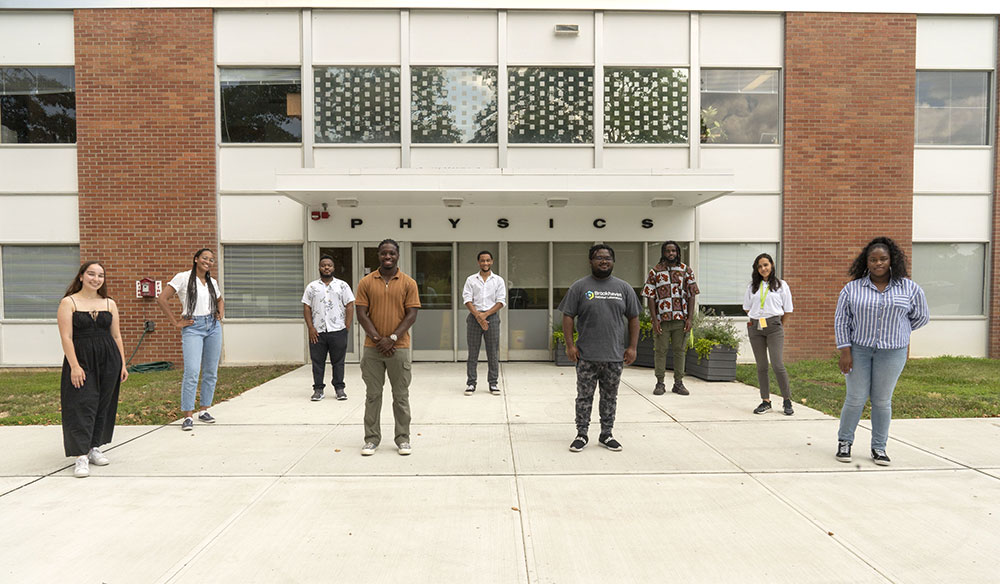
column 588, row 375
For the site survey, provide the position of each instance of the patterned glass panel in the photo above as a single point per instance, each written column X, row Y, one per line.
column 551, row 105
column 645, row 106
column 454, row 105
column 357, row 105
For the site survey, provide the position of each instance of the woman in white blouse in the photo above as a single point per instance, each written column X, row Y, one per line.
column 767, row 302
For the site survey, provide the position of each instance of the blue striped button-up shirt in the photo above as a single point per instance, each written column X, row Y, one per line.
column 882, row 320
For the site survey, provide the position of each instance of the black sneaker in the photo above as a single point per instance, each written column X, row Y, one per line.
column 187, row 425
column 660, row 389
column 317, row 395
column 610, row 443
column 206, row 417
column 679, row 388
column 763, row 408
column 787, row 407
column 341, row 394
column 843, row 451
column 494, row 390
column 880, row 457
column 578, row 444
column 470, row 389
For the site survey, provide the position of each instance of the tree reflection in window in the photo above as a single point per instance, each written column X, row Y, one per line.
column 357, row 105
column 37, row 105
column 454, row 105
column 550, row 105
column 261, row 105
column 645, row 105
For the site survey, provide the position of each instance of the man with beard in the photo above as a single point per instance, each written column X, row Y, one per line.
column 669, row 291
column 601, row 304
column 328, row 307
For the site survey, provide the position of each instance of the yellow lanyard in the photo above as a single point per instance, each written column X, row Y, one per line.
column 763, row 294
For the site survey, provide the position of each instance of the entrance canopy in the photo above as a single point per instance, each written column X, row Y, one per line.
column 504, row 187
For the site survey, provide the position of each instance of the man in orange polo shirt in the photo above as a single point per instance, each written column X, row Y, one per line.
column 387, row 303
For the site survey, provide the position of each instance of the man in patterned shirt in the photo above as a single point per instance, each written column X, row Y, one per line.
column 669, row 291
column 328, row 307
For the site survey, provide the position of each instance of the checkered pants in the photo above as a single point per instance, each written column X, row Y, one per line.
column 588, row 375
column 475, row 334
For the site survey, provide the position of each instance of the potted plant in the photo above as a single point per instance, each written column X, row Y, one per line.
column 644, row 350
column 559, row 344
column 712, row 352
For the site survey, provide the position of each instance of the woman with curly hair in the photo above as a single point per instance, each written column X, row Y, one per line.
column 767, row 302
column 876, row 312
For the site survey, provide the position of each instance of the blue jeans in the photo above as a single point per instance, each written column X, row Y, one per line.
column 201, row 343
column 873, row 374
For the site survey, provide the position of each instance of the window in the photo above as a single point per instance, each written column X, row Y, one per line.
column 952, row 107
column 724, row 273
column 263, row 281
column 739, row 106
column 37, row 105
column 357, row 105
column 645, row 106
column 454, row 105
column 550, row 105
column 261, row 105
column 952, row 276
column 36, row 277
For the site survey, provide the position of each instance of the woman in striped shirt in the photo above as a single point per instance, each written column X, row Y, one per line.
column 876, row 312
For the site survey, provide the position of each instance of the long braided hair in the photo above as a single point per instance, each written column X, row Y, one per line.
column 192, row 287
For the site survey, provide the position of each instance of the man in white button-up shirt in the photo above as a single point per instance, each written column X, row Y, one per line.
column 328, row 307
column 484, row 295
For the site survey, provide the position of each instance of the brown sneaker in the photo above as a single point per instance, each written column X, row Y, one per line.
column 660, row 389
column 679, row 388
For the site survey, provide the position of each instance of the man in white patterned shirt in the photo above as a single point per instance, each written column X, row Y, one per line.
column 328, row 308
column 484, row 295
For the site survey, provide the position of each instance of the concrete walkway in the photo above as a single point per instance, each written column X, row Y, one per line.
column 704, row 491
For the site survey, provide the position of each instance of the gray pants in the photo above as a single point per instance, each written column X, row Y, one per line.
column 374, row 367
column 475, row 334
column 770, row 340
column 590, row 374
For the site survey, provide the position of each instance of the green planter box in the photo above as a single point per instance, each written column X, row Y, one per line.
column 720, row 365
column 560, row 356
column 644, row 354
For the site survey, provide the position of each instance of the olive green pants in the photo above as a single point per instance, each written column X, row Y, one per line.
column 672, row 337
column 374, row 367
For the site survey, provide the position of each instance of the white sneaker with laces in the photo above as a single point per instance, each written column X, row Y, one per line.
column 96, row 457
column 404, row 448
column 368, row 449
column 82, row 468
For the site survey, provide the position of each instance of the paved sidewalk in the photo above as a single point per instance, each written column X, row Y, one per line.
column 704, row 491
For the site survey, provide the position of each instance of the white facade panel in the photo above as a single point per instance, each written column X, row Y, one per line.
column 646, row 38
column 39, row 219
column 550, row 157
column 457, row 157
column 258, row 37
column 756, row 170
column 356, row 37
column 253, row 168
column 37, row 38
column 34, row 169
column 250, row 218
column 446, row 37
column 739, row 218
column 950, row 337
column 252, row 343
column 531, row 38
column 742, row 40
column 646, row 157
column 31, row 344
column 951, row 218
column 956, row 42
column 357, row 157
column 952, row 170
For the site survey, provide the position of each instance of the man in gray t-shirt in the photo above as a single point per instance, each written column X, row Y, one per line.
column 600, row 303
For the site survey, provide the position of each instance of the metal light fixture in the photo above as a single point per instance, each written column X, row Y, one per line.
column 555, row 202
column 452, row 201
column 664, row 202
column 352, row 202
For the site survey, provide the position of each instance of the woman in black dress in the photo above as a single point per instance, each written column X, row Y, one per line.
column 93, row 368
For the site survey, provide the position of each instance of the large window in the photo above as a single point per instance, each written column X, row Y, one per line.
column 263, row 281
column 952, row 276
column 645, row 105
column 725, row 272
column 357, row 105
column 37, row 105
column 454, row 105
column 952, row 107
column 261, row 105
column 740, row 106
column 550, row 105
column 35, row 278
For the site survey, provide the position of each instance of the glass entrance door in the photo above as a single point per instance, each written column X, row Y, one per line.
column 433, row 335
column 351, row 262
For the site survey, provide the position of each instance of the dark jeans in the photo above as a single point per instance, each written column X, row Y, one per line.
column 335, row 345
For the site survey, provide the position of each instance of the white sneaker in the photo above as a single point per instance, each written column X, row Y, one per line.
column 82, row 468
column 368, row 449
column 404, row 448
column 96, row 457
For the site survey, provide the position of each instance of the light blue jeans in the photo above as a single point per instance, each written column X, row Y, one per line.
column 201, row 343
column 873, row 374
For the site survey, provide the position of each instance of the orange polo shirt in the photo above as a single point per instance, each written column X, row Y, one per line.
column 387, row 303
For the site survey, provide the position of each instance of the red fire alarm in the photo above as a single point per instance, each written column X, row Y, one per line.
column 147, row 288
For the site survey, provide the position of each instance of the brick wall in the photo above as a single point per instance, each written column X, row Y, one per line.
column 848, row 156
column 146, row 154
column 994, row 267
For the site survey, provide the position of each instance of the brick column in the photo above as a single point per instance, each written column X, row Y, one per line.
column 848, row 156
column 146, row 154
column 993, row 273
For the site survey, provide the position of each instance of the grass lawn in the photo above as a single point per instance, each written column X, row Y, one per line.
column 31, row 396
column 943, row 387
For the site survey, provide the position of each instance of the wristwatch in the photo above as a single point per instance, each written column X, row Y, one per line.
column 394, row 337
